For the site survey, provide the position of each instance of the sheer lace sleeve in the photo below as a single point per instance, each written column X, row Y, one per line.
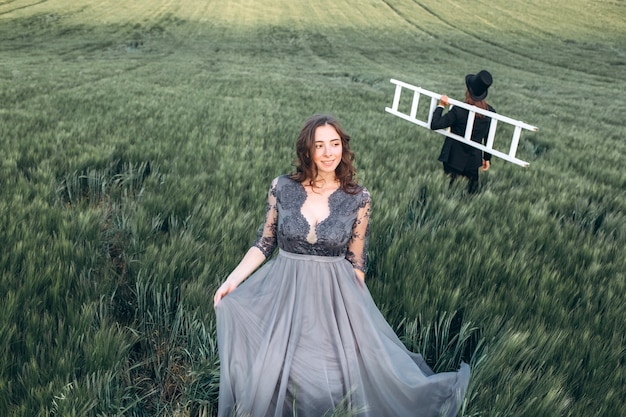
column 357, row 247
column 266, row 235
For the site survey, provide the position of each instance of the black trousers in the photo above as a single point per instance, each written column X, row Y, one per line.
column 470, row 174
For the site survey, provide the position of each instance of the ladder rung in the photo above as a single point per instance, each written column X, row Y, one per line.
column 396, row 97
column 470, row 125
column 492, row 133
column 515, row 141
column 416, row 100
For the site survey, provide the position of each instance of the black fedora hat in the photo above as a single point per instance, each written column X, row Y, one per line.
column 478, row 84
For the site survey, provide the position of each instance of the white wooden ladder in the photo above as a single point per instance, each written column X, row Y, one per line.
column 412, row 117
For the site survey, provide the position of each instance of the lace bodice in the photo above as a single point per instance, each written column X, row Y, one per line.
column 344, row 232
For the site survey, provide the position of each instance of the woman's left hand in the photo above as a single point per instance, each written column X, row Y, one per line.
column 486, row 165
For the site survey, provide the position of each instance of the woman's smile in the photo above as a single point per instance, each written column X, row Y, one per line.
column 327, row 149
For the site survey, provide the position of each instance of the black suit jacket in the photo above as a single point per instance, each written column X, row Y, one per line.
column 458, row 155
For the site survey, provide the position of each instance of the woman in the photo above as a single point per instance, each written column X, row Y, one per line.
column 302, row 335
column 458, row 158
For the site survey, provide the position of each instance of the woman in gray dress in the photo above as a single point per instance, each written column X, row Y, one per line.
column 300, row 334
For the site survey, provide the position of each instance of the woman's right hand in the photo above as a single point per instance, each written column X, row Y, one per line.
column 443, row 101
column 253, row 259
column 224, row 289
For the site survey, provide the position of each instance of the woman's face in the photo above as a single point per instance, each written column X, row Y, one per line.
column 327, row 149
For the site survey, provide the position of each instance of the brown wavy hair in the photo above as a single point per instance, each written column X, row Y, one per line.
column 481, row 104
column 305, row 167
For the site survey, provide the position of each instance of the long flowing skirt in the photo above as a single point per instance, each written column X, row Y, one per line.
column 302, row 336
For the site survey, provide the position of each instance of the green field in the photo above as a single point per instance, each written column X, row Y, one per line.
column 139, row 139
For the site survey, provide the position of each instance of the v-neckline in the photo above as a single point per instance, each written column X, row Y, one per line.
column 312, row 228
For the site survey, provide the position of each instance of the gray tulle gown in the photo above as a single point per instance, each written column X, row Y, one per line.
column 302, row 335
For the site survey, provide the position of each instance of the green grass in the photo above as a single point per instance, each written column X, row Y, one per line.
column 139, row 141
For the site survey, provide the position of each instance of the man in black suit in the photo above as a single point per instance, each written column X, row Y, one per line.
column 458, row 158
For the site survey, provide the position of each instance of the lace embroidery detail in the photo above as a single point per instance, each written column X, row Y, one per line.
column 359, row 242
column 345, row 232
column 266, row 234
